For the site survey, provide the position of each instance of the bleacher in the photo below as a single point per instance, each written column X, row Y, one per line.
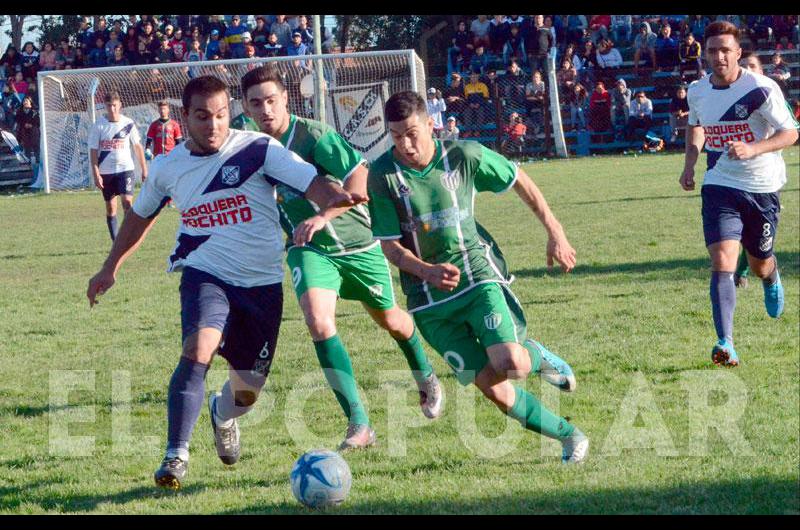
column 12, row 171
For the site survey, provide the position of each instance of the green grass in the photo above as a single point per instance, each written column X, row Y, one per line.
column 633, row 319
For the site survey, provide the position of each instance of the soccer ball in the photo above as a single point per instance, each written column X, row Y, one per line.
column 320, row 478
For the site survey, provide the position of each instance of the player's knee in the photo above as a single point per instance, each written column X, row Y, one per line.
column 245, row 398
column 394, row 321
column 511, row 361
column 321, row 326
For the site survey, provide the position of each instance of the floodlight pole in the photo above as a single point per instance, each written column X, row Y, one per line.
column 319, row 79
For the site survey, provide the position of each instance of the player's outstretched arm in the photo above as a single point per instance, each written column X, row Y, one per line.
column 695, row 138
column 558, row 247
column 443, row 276
column 333, row 199
column 131, row 234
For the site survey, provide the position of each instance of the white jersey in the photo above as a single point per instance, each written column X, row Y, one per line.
column 230, row 224
column 750, row 109
column 113, row 141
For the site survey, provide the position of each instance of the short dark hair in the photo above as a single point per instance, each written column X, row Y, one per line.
column 747, row 54
column 112, row 95
column 403, row 105
column 262, row 74
column 206, row 85
column 721, row 27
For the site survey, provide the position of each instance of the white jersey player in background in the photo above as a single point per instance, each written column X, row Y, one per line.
column 743, row 121
column 229, row 247
column 110, row 140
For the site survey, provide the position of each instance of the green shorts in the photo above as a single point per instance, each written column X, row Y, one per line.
column 462, row 329
column 362, row 276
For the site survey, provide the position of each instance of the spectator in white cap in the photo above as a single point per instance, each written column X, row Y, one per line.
column 436, row 106
column 450, row 132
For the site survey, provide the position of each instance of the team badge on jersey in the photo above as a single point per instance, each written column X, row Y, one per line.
column 492, row 320
column 230, row 175
column 741, row 111
column 404, row 190
column 451, row 180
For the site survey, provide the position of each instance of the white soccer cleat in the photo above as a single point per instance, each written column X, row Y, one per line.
column 575, row 447
column 430, row 397
column 226, row 435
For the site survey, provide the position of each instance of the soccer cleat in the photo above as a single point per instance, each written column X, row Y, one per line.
column 171, row 472
column 773, row 298
column 723, row 354
column 226, row 437
column 357, row 437
column 554, row 369
column 575, row 447
column 430, row 397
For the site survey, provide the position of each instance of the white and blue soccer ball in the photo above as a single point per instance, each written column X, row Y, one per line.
column 321, row 478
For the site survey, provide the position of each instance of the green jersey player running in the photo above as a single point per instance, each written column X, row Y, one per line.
column 422, row 195
column 332, row 254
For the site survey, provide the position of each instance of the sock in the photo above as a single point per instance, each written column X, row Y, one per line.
column 111, row 222
column 530, row 412
column 335, row 363
column 184, row 402
column 743, row 266
column 723, row 303
column 421, row 369
column 226, row 406
column 773, row 277
column 536, row 355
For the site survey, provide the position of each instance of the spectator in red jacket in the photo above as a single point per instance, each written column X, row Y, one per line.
column 598, row 27
column 600, row 108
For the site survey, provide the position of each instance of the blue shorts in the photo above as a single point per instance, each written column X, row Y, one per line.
column 249, row 319
column 752, row 218
column 117, row 184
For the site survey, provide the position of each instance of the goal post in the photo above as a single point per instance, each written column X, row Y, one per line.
column 355, row 85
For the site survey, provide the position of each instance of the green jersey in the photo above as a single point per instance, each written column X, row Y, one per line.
column 335, row 159
column 243, row 123
column 432, row 213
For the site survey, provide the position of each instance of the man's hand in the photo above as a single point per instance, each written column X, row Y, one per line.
column 740, row 151
column 559, row 249
column 98, row 181
column 687, row 179
column 344, row 199
column 304, row 232
column 99, row 284
column 144, row 173
column 443, row 276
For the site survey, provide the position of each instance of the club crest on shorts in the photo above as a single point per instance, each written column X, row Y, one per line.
column 766, row 244
column 264, row 361
column 740, row 110
column 492, row 320
column 230, row 175
column 376, row 290
column 451, row 180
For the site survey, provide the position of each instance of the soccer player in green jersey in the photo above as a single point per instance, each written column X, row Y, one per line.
column 332, row 254
column 244, row 123
column 422, row 195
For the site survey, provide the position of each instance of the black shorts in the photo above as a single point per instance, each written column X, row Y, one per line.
column 752, row 218
column 248, row 317
column 117, row 184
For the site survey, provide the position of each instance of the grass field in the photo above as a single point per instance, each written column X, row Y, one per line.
column 670, row 432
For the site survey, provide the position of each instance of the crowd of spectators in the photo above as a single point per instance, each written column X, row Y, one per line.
column 500, row 50
column 145, row 39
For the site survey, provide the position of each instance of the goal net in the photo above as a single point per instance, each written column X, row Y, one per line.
column 347, row 90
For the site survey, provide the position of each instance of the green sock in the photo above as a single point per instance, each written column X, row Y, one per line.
column 534, row 416
column 417, row 360
column 335, row 362
column 743, row 267
column 536, row 356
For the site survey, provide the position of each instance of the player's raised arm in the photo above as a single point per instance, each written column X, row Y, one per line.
column 558, row 247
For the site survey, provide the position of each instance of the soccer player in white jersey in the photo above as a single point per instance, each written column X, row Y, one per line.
column 110, row 141
column 742, row 119
column 229, row 247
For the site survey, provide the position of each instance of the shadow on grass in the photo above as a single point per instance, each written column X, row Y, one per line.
column 54, row 254
column 789, row 263
column 693, row 195
column 763, row 495
column 12, row 497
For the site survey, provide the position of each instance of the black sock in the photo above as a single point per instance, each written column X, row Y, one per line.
column 184, row 403
column 112, row 226
column 773, row 277
column 723, row 303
